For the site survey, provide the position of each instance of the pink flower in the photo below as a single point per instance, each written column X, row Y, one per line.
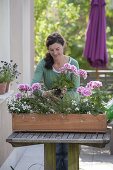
column 80, row 89
column 82, row 73
column 94, row 84
column 18, row 96
column 73, row 68
column 67, row 66
column 24, row 87
column 76, row 73
column 84, row 91
column 36, row 86
column 62, row 69
column 70, row 68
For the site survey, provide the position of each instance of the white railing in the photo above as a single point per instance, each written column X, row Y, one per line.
column 106, row 76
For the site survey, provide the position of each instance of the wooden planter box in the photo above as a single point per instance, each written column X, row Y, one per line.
column 59, row 123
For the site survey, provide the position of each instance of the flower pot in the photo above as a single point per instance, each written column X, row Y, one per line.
column 59, row 122
column 2, row 88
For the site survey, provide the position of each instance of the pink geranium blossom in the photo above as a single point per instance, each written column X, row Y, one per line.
column 94, row 84
column 18, row 96
column 80, row 89
column 36, row 86
column 24, row 87
column 82, row 73
column 88, row 89
column 84, row 91
column 73, row 69
column 67, row 66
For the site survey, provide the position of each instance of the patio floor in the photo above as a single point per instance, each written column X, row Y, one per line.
column 32, row 158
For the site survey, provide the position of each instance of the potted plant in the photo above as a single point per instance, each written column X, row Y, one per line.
column 10, row 72
column 3, row 79
column 32, row 111
column 2, row 82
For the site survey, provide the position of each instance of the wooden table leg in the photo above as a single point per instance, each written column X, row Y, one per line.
column 73, row 157
column 49, row 156
column 111, row 142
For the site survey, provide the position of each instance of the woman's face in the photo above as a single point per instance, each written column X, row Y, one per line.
column 56, row 50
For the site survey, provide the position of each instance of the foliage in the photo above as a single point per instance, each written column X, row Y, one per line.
column 8, row 71
column 30, row 99
column 60, row 17
column 65, row 78
column 40, row 5
column 93, row 104
column 70, row 18
column 109, row 110
column 2, row 76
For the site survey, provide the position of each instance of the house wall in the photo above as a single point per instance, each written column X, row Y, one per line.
column 22, row 37
column 17, row 36
column 4, row 30
column 5, row 128
column 16, row 43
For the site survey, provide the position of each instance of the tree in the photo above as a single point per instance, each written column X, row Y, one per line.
column 69, row 17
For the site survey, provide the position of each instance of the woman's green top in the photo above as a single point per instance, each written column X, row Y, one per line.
column 48, row 75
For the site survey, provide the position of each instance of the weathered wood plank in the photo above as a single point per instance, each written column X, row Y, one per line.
column 59, row 135
column 81, row 138
column 73, row 154
column 35, row 136
column 43, row 135
column 13, row 135
column 48, row 135
column 94, row 136
column 88, row 136
column 54, row 135
column 19, row 135
column 76, row 136
column 30, row 135
column 70, row 135
column 100, row 136
column 25, row 135
column 49, row 156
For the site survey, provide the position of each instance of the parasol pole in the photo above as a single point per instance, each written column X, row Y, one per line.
column 97, row 74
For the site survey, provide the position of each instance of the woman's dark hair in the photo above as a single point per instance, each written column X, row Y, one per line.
column 51, row 39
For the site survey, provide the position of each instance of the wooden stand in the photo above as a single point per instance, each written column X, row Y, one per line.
column 50, row 139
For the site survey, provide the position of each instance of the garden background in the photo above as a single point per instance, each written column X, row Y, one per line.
column 70, row 18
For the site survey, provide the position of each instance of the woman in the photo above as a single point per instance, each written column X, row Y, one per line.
column 47, row 70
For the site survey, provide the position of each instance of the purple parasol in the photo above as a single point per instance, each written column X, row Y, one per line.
column 95, row 47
